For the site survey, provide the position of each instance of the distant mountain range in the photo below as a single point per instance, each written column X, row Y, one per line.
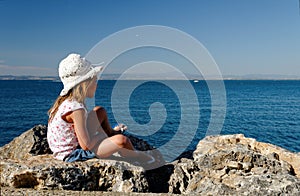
column 149, row 77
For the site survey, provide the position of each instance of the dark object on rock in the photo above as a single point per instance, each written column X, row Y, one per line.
column 40, row 145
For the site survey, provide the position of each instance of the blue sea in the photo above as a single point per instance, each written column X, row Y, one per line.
column 267, row 110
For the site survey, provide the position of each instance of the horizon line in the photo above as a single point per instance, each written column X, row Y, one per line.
column 225, row 77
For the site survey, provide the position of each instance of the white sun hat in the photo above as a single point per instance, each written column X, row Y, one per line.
column 75, row 69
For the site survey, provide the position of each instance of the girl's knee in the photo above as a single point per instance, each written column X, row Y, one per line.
column 121, row 140
column 100, row 110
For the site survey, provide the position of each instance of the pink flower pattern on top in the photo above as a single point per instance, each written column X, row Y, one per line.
column 61, row 135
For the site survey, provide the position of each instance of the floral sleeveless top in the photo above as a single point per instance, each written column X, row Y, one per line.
column 61, row 135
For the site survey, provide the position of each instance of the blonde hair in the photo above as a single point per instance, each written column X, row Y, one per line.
column 77, row 93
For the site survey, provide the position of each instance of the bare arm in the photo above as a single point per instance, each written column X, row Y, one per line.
column 86, row 134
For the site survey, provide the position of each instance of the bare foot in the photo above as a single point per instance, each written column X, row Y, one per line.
column 144, row 158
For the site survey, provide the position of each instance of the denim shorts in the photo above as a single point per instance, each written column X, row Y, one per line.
column 80, row 155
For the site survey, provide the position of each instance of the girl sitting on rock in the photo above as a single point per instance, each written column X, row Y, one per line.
column 75, row 135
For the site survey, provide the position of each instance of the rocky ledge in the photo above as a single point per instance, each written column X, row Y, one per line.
column 227, row 164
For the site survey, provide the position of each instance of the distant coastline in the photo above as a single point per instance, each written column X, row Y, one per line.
column 145, row 77
column 11, row 77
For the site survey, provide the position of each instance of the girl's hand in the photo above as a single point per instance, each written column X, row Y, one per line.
column 120, row 128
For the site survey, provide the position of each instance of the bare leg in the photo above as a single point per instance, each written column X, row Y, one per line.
column 103, row 120
column 120, row 143
column 115, row 143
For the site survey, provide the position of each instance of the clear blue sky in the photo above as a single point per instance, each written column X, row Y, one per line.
column 243, row 36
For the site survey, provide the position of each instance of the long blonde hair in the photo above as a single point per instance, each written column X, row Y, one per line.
column 78, row 93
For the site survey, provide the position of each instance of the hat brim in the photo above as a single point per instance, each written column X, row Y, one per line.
column 93, row 72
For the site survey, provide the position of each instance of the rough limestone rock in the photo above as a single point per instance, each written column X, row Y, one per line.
column 229, row 164
column 213, row 144
column 43, row 172
column 23, row 166
column 233, row 164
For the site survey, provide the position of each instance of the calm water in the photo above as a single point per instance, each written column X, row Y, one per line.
column 265, row 110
